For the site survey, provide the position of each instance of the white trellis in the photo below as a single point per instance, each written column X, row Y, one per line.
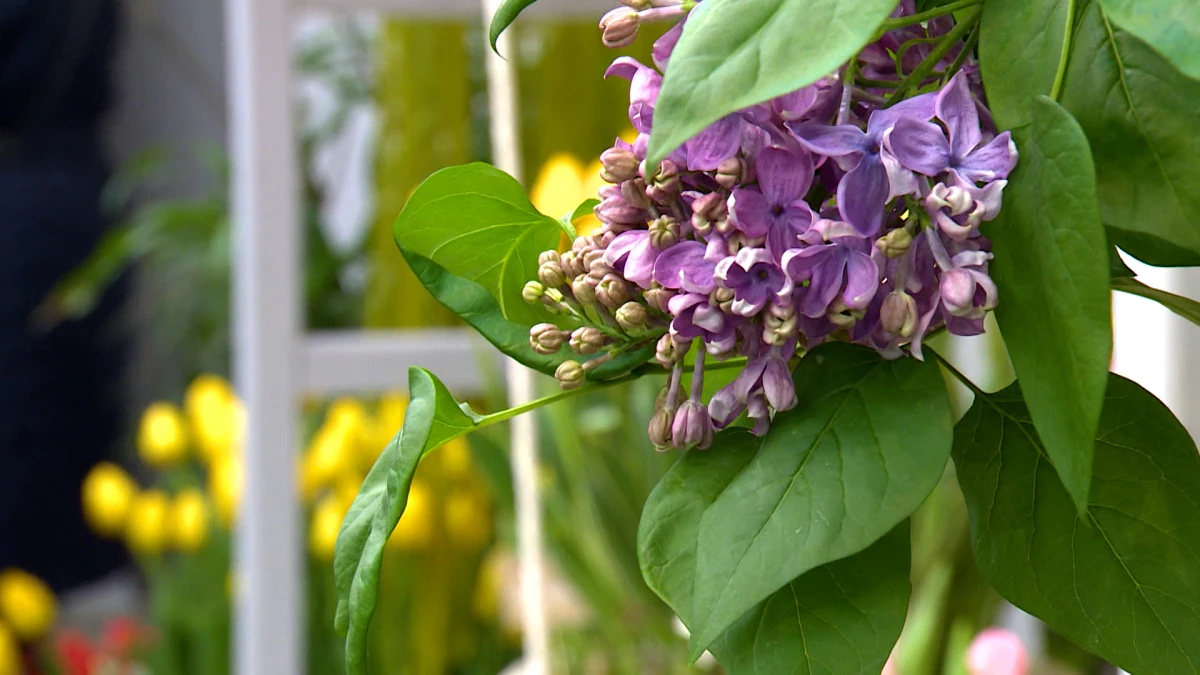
column 276, row 360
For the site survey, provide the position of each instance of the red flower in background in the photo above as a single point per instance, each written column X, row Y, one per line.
column 123, row 636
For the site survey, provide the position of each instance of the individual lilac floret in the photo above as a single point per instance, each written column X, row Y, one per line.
column 837, row 262
column 689, row 266
column 755, row 279
column 776, row 209
column 871, row 179
column 644, row 85
column 925, row 148
column 697, row 317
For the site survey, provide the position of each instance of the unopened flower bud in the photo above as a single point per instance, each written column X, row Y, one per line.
column 612, row 292
column 532, row 292
column 593, row 260
column 842, row 316
column 615, row 210
column 569, row 374
column 708, row 211
column 895, row 243
column 660, row 429
column 723, row 298
column 551, row 274
column 951, row 197
column 553, row 298
column 899, row 314
column 547, row 256
column 659, row 297
column 958, row 291
column 587, row 340
column 582, row 245
column 777, row 330
column 665, row 183
column 632, row 316
column 668, row 351
column 620, row 27
column 637, row 5
column 693, row 426
column 572, row 266
column 633, row 191
column 545, row 338
column 584, row 291
column 732, row 172
column 664, row 232
column 618, row 165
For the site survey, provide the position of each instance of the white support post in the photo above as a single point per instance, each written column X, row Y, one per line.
column 267, row 327
column 506, row 153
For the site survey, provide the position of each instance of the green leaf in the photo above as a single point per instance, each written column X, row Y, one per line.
column 736, row 53
column 433, row 417
column 1020, row 45
column 1123, row 581
column 866, row 443
column 1171, row 27
column 1116, row 266
column 1185, row 307
column 479, row 309
column 1141, row 116
column 1052, row 268
column 503, row 18
column 585, row 208
column 847, row 612
column 476, row 222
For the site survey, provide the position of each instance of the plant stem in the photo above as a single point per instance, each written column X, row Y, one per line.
column 955, row 372
column 1065, row 55
column 847, row 91
column 901, row 22
column 967, row 48
column 939, row 52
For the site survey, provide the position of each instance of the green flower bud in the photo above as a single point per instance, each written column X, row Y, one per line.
column 613, row 291
column 569, row 374
column 664, row 232
column 632, row 316
column 660, row 429
column 895, row 243
column 532, row 292
column 899, row 314
column 587, row 340
column 551, row 274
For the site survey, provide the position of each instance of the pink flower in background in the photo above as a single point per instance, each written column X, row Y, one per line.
column 997, row 652
column 889, row 668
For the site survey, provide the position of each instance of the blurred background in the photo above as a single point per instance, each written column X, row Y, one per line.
column 121, row 437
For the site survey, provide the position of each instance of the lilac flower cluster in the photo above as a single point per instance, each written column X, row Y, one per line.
column 824, row 214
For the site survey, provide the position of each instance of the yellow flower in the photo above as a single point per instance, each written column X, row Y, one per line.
column 188, row 520
column 146, row 531
column 346, row 490
column 217, row 416
column 10, row 653
column 468, row 520
column 456, row 458
column 391, row 411
column 389, row 417
column 415, row 528
column 225, row 487
column 329, row 456
column 108, row 493
column 326, row 521
column 162, row 439
column 27, row 605
column 562, row 184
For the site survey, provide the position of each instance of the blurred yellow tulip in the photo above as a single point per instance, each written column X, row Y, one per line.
column 392, row 407
column 468, row 520
column 562, row 184
column 217, row 417
column 330, row 455
column 326, row 521
column 10, row 653
column 346, row 412
column 346, row 489
column 455, row 457
column 187, row 521
column 225, row 487
column 162, row 437
column 26, row 604
column 108, row 493
column 146, row 531
column 415, row 529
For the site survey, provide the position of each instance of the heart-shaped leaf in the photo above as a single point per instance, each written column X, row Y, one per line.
column 1171, row 27
column 1123, row 581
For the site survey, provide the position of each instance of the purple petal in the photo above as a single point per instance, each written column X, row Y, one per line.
column 778, row 386
column 725, row 406
column 639, row 266
column 664, row 45
column 919, row 108
column 748, row 380
column 862, row 280
column 862, row 195
column 620, row 247
column 956, row 108
column 786, row 231
column 709, row 318
column 831, row 141
column 919, row 146
column 750, row 212
column 679, row 304
column 783, row 176
column 720, row 141
column 826, row 282
column 683, row 262
column 901, row 181
column 992, row 161
column 793, row 106
column 730, row 274
column 757, row 409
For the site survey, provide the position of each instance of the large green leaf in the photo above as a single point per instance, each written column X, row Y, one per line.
column 473, row 304
column 476, row 222
column 1052, row 268
column 735, row 53
column 846, row 614
column 1185, row 307
column 1141, row 116
column 507, row 13
column 866, row 443
column 433, row 417
column 1123, row 581
column 1020, row 45
column 1172, row 27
